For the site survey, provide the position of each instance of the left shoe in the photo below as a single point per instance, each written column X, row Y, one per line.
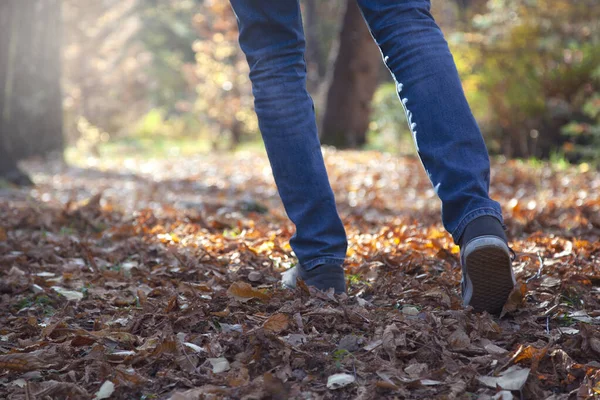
column 322, row 277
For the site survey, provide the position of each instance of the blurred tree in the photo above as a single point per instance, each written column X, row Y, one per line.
column 321, row 26
column 145, row 45
column 224, row 100
column 529, row 67
column 314, row 50
column 105, row 78
column 353, row 80
column 167, row 32
column 30, row 89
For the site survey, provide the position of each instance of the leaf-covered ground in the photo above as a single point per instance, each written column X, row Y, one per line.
column 160, row 279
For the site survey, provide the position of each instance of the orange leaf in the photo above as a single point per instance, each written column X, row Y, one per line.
column 243, row 292
column 526, row 354
column 3, row 235
column 276, row 323
column 515, row 299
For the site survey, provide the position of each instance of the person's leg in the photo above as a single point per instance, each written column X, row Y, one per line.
column 448, row 141
column 446, row 135
column 272, row 37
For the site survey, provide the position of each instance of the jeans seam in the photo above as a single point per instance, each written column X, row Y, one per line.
column 470, row 216
column 322, row 260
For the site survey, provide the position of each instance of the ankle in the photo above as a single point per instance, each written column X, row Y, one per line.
column 484, row 225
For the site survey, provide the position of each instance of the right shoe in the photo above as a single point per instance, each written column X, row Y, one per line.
column 487, row 274
column 322, row 277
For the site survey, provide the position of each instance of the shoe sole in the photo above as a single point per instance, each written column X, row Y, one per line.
column 489, row 268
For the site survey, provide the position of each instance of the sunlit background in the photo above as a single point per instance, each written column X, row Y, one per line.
column 167, row 78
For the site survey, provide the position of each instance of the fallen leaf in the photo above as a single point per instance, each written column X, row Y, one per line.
column 373, row 345
column 19, row 382
column 459, row 340
column 295, row 339
column 106, row 390
column 275, row 387
column 23, row 362
column 430, row 382
column 226, row 328
column 389, row 340
column 350, row 343
column 416, row 370
column 513, row 378
column 3, row 235
column 515, row 299
column 194, row 347
column 204, row 392
column 243, row 292
column 503, row 395
column 495, row 350
column 68, row 294
column 338, row 381
column 276, row 323
column 219, row 364
column 410, row 311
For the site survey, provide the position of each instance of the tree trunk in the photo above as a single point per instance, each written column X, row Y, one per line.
column 30, row 69
column 352, row 84
column 315, row 67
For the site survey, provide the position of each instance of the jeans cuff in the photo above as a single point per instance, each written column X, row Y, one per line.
column 458, row 232
column 308, row 265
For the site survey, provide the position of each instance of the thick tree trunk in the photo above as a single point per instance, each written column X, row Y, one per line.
column 352, row 84
column 30, row 69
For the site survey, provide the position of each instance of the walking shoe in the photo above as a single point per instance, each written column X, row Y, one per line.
column 322, row 277
column 487, row 274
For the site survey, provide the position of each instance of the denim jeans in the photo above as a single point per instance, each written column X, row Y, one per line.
column 445, row 133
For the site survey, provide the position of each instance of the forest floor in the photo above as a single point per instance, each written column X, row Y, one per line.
column 159, row 279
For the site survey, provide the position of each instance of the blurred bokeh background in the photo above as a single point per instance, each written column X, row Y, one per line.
column 166, row 78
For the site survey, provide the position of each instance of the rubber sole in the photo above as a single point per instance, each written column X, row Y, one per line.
column 490, row 271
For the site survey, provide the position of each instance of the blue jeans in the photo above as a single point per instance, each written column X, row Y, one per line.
column 446, row 135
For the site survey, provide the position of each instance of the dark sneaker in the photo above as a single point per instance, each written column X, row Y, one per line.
column 322, row 277
column 487, row 274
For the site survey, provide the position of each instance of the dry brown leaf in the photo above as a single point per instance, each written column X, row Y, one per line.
column 302, row 287
column 276, row 323
column 275, row 387
column 128, row 377
column 56, row 390
column 238, row 377
column 23, row 362
column 3, row 235
column 389, row 341
column 166, row 346
column 459, row 340
column 142, row 298
column 82, row 340
column 172, row 305
column 515, row 299
column 204, row 392
column 242, row 291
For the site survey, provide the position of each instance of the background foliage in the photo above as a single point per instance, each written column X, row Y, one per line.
column 136, row 70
